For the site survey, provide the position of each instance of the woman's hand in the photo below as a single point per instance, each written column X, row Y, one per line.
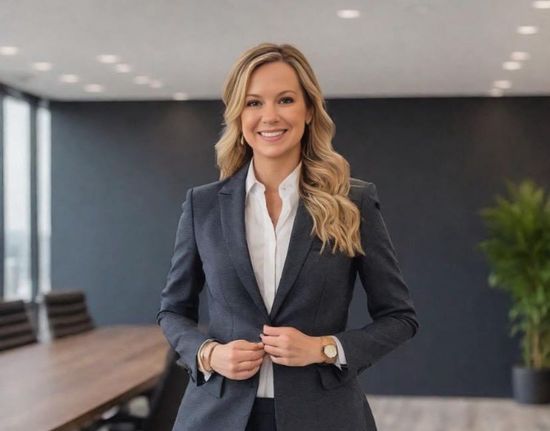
column 238, row 359
column 291, row 347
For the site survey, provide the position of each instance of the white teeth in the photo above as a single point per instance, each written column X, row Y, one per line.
column 271, row 134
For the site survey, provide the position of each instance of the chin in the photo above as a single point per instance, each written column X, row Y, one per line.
column 273, row 152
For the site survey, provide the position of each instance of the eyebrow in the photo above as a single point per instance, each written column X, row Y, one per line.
column 282, row 92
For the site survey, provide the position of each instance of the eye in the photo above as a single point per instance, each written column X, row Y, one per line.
column 252, row 102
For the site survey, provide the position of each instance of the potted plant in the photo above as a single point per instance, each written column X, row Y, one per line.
column 518, row 252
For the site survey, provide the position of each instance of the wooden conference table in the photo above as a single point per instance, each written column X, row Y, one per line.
column 65, row 383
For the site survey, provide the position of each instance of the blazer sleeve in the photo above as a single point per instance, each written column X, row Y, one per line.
column 179, row 305
column 389, row 304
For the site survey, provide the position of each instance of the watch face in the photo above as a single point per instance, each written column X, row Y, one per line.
column 330, row 351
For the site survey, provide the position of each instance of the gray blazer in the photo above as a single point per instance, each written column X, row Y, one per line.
column 313, row 296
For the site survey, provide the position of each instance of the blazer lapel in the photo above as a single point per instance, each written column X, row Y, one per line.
column 298, row 249
column 232, row 204
column 232, row 199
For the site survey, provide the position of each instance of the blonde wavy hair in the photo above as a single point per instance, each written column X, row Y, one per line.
column 324, row 182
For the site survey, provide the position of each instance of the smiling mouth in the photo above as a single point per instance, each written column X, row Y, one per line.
column 272, row 134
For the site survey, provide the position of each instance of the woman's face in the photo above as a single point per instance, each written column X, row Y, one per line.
column 274, row 102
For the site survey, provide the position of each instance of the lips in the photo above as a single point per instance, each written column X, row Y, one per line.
column 271, row 132
column 274, row 137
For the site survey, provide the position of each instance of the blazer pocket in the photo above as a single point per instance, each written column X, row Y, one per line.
column 332, row 377
column 214, row 385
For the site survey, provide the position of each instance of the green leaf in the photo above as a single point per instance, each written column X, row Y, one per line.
column 517, row 250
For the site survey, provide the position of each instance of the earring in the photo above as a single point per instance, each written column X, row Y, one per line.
column 242, row 140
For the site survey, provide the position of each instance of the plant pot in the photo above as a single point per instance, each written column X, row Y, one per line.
column 530, row 385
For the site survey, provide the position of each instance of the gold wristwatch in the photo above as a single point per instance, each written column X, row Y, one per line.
column 329, row 349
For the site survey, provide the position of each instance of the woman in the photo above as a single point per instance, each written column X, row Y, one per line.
column 278, row 241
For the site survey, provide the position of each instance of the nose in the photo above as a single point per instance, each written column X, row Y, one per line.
column 269, row 114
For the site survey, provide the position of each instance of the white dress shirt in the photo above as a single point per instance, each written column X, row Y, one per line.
column 268, row 247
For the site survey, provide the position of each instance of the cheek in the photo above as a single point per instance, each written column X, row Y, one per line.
column 248, row 124
column 298, row 117
column 297, row 126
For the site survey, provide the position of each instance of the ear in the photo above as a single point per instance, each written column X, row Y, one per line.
column 309, row 115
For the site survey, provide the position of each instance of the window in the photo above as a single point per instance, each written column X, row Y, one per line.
column 17, row 210
column 43, row 149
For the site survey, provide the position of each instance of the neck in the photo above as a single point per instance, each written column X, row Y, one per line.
column 271, row 172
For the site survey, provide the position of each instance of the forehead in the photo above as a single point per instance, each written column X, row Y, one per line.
column 273, row 77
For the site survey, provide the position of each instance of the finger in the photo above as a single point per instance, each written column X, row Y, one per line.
column 259, row 354
column 269, row 339
column 248, row 374
column 241, row 375
column 274, row 350
column 254, row 356
column 254, row 347
column 257, row 346
column 279, row 360
column 274, row 330
column 248, row 355
column 275, row 341
column 248, row 345
column 257, row 351
column 245, row 374
column 249, row 366
column 270, row 330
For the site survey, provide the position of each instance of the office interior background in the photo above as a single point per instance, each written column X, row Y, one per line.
column 110, row 111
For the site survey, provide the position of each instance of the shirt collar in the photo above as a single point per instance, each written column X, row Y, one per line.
column 289, row 187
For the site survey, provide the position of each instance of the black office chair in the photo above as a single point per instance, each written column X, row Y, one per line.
column 67, row 313
column 164, row 405
column 15, row 326
column 167, row 397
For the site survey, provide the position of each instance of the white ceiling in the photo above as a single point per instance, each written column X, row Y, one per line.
column 396, row 48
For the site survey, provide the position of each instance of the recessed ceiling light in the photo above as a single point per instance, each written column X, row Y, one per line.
column 93, row 88
column 541, row 4
column 156, row 84
column 180, row 96
column 503, row 84
column 69, row 78
column 520, row 56
column 511, row 65
column 42, row 66
column 527, row 29
column 140, row 80
column 496, row 92
column 123, row 68
column 348, row 13
column 107, row 58
column 8, row 50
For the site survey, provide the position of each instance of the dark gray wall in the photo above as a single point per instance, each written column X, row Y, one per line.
column 120, row 172
column 119, row 175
